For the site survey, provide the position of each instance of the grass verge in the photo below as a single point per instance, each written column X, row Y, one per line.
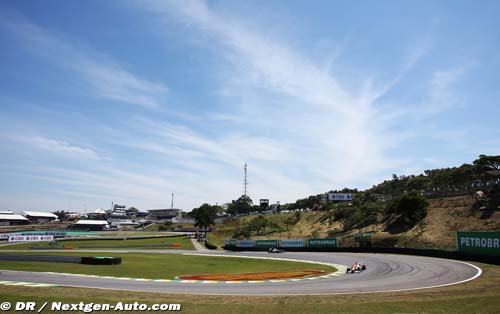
column 76, row 244
column 164, row 266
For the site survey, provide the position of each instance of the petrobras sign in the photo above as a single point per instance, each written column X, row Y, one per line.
column 340, row 196
column 32, row 238
column 479, row 242
column 244, row 243
column 293, row 243
column 329, row 242
column 266, row 243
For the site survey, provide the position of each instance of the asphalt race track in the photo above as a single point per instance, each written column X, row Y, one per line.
column 384, row 273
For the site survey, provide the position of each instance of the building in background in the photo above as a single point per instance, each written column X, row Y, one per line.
column 90, row 225
column 39, row 217
column 12, row 220
column 98, row 214
column 165, row 214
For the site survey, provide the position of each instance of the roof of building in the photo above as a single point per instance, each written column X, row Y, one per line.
column 91, row 222
column 39, row 214
column 6, row 212
column 12, row 217
column 164, row 209
column 99, row 211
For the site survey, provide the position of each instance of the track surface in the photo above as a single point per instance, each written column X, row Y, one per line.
column 384, row 273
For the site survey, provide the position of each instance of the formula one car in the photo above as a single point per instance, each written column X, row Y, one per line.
column 356, row 268
column 275, row 250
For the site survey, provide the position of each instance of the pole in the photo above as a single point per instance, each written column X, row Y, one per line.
column 172, row 205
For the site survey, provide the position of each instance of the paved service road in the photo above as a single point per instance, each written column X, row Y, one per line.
column 384, row 273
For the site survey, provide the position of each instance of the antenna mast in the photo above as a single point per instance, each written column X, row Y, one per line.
column 245, row 181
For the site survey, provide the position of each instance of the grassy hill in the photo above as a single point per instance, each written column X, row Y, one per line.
column 436, row 230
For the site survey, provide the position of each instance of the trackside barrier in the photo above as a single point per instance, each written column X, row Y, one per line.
column 323, row 243
column 292, row 243
column 289, row 244
column 405, row 251
column 479, row 242
column 266, row 244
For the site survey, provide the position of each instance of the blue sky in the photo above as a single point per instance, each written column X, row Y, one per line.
column 130, row 101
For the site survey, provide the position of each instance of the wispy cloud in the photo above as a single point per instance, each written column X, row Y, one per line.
column 336, row 133
column 54, row 147
column 103, row 77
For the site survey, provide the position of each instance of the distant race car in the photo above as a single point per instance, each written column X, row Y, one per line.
column 356, row 268
column 275, row 250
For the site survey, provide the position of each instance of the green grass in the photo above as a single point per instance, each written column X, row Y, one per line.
column 163, row 266
column 480, row 296
column 185, row 242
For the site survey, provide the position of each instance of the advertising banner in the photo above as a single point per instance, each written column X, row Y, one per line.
column 4, row 235
column 340, row 196
column 479, row 242
column 21, row 238
column 323, row 243
column 293, row 243
column 34, row 233
column 265, row 244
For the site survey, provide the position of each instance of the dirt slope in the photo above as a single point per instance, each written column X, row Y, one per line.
column 445, row 216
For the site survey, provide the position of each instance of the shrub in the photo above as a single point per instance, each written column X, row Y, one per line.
column 210, row 246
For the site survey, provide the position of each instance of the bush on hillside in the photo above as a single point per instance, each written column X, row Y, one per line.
column 406, row 211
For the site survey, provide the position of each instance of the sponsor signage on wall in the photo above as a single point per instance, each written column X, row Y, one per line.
column 340, row 196
column 52, row 233
column 4, row 235
column 32, row 238
column 292, row 243
column 244, row 243
column 479, row 242
column 330, row 242
column 266, row 243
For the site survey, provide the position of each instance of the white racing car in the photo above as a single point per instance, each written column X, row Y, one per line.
column 275, row 250
column 356, row 268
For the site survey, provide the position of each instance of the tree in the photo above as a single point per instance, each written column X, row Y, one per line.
column 243, row 232
column 243, row 205
column 407, row 210
column 204, row 216
column 258, row 224
column 61, row 215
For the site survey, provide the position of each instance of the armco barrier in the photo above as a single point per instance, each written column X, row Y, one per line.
column 479, row 242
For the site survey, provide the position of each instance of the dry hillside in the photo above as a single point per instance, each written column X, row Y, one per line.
column 436, row 230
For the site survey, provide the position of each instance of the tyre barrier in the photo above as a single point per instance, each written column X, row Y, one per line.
column 101, row 260
column 40, row 258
